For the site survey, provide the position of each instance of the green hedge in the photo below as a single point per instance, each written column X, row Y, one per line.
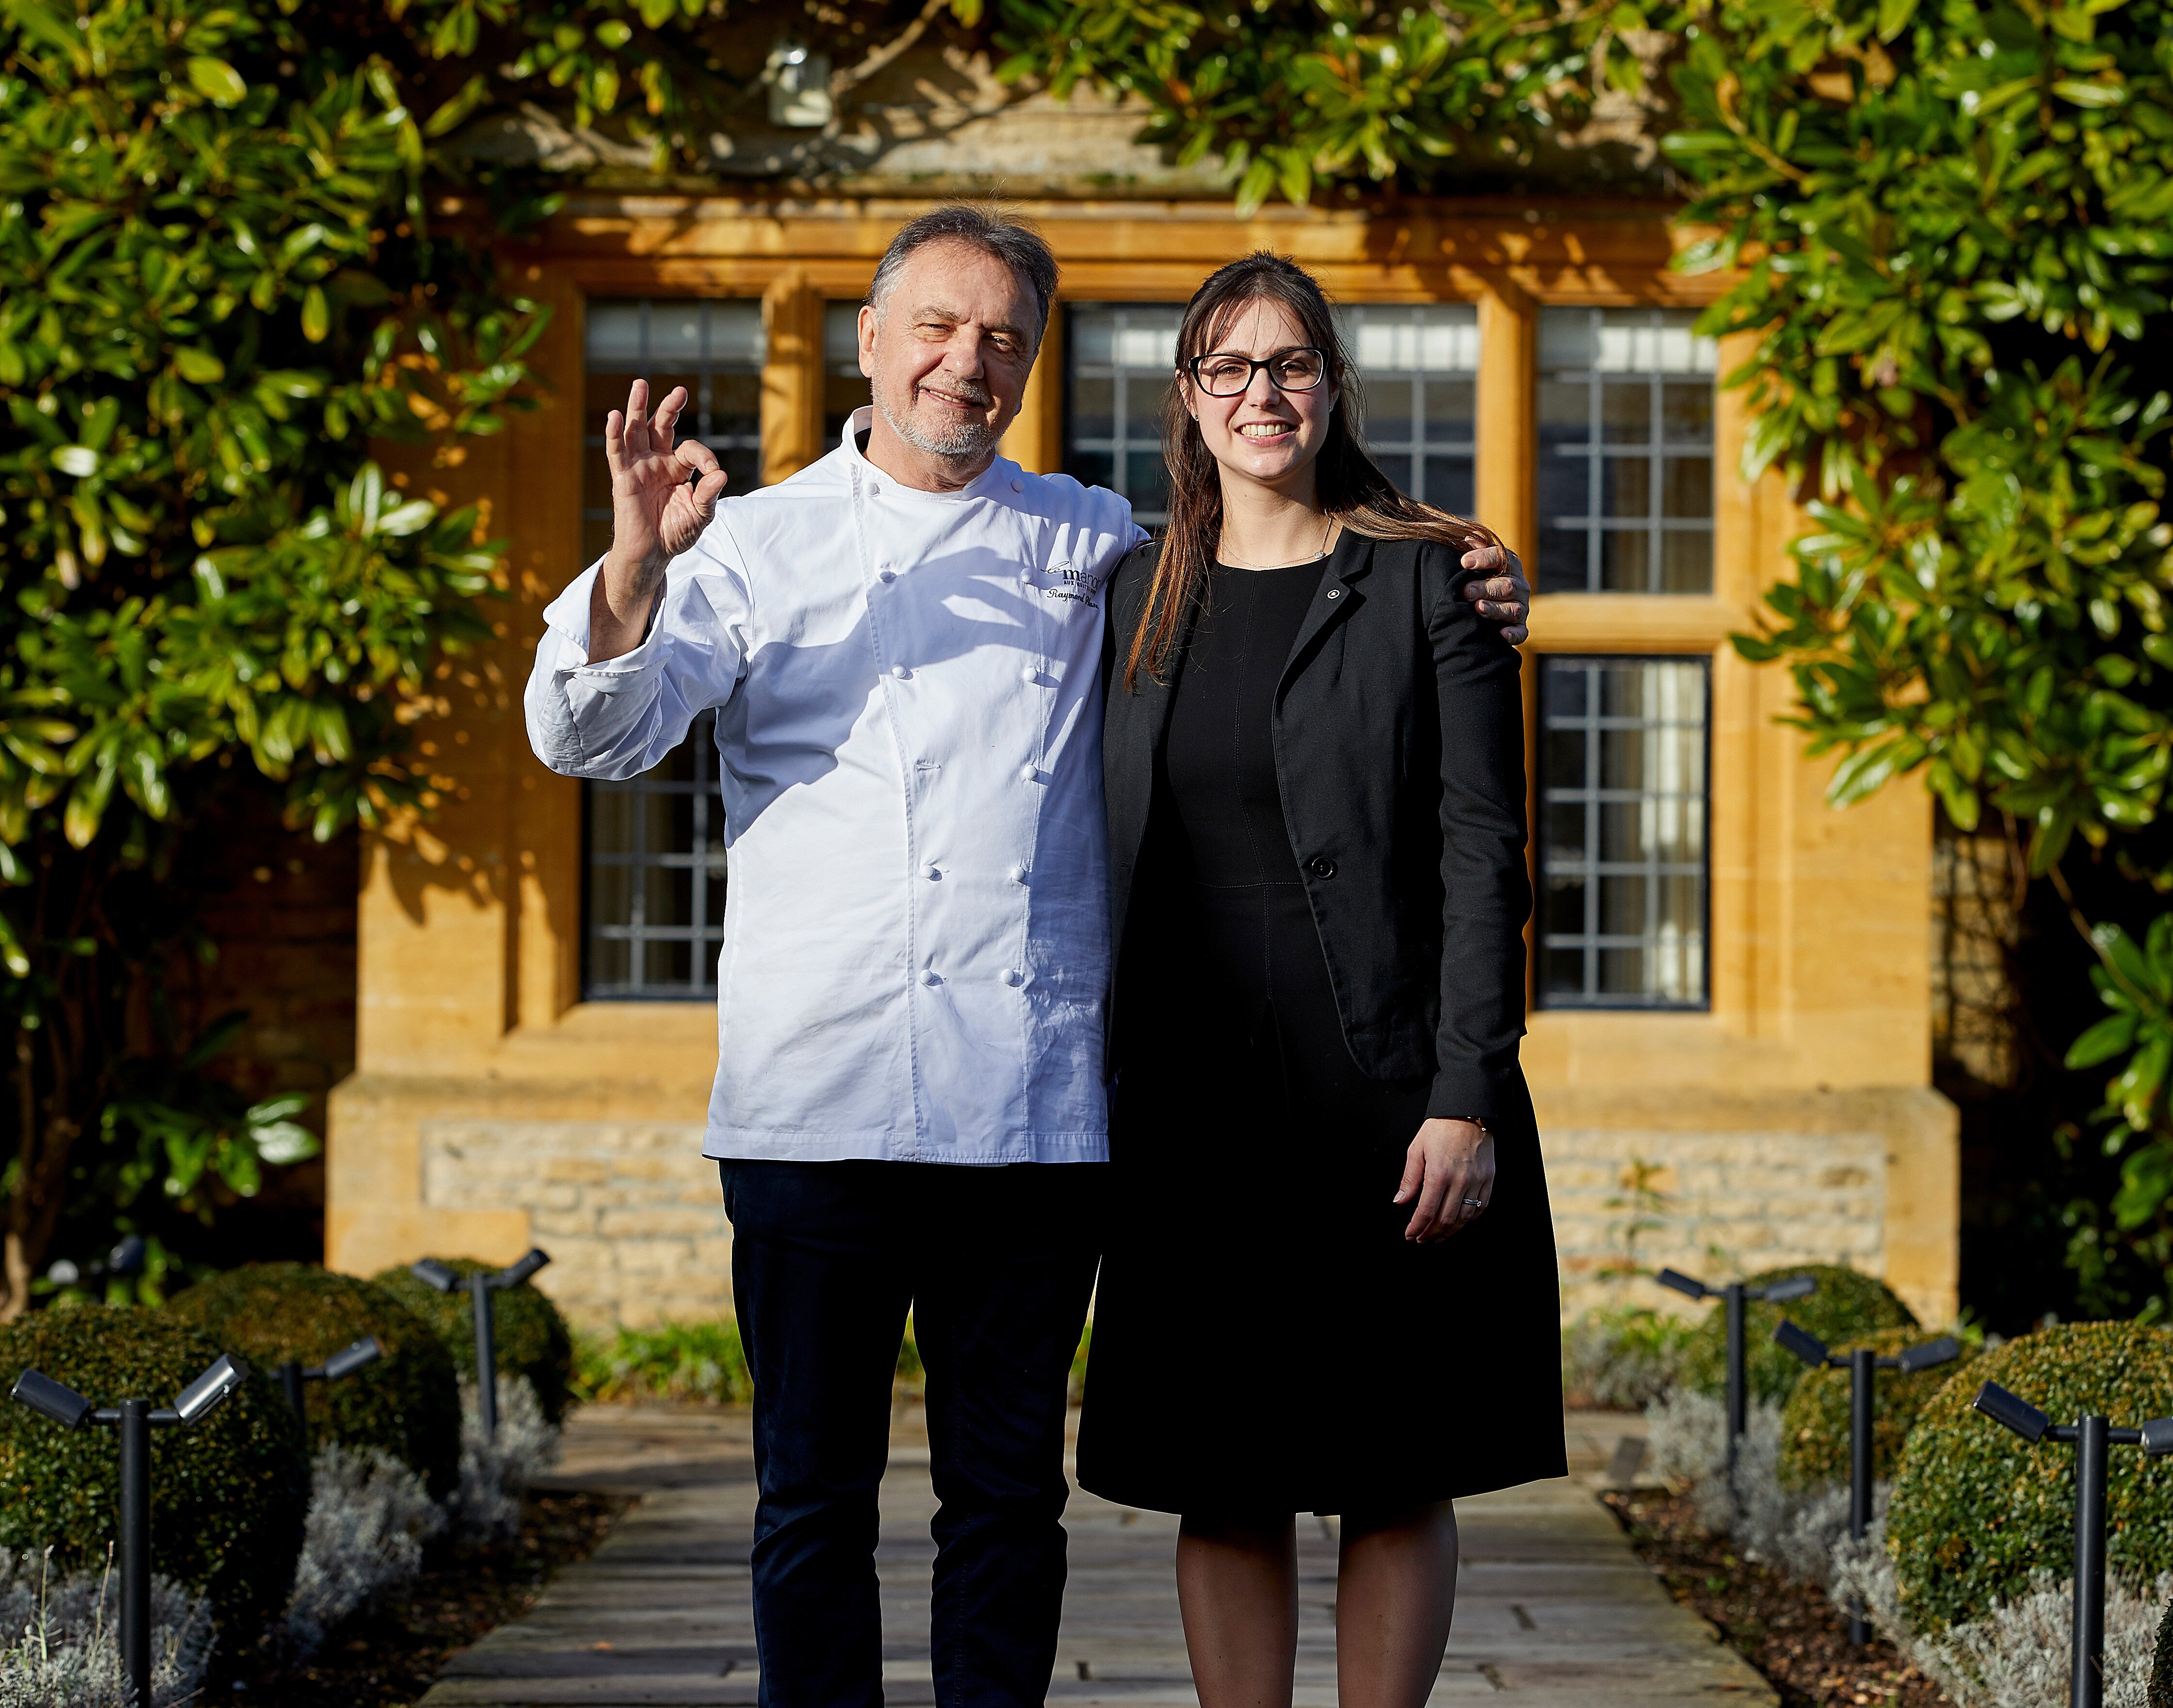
column 1977, row 1509
column 533, row 1341
column 227, row 1497
column 1814, row 1422
column 408, row 1403
column 1846, row 1306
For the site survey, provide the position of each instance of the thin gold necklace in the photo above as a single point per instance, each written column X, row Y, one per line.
column 1327, row 535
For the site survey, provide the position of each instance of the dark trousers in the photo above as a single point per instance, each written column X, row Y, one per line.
column 996, row 1265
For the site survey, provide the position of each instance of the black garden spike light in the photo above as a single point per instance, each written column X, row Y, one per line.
column 132, row 1420
column 126, row 1260
column 480, row 1285
column 350, row 1358
column 1862, row 1365
column 2092, row 1436
column 1737, row 1294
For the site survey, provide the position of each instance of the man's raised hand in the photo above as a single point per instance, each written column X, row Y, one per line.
column 657, row 512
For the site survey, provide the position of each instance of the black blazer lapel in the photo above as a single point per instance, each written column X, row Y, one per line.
column 1351, row 562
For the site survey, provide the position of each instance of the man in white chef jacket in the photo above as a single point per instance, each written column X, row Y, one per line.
column 903, row 644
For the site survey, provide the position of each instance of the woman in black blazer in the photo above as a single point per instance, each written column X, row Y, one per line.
column 1330, row 1284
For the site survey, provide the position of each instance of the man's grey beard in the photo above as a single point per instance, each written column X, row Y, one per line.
column 964, row 442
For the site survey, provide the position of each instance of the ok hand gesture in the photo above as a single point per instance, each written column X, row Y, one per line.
column 655, row 514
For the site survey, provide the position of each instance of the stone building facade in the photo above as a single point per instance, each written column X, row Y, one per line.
column 1729, row 1044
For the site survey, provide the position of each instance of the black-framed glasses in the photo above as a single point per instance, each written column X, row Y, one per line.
column 1220, row 375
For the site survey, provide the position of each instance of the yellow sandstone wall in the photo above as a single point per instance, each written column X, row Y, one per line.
column 490, row 1107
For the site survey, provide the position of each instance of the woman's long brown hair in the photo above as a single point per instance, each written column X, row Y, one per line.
column 1349, row 484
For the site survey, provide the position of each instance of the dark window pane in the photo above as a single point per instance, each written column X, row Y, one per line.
column 1451, row 407
column 1565, row 487
column 1388, row 409
column 1093, row 407
column 1686, row 489
column 1561, row 566
column 1449, row 484
column 609, row 961
column 1565, row 902
column 1565, row 973
column 1146, row 480
column 1686, row 562
column 1686, row 413
column 1566, row 832
column 1625, row 561
column 1566, row 694
column 1565, row 750
column 1622, row 972
column 1625, row 412
column 1622, row 906
column 668, row 965
column 1565, row 406
column 1096, row 468
column 1626, row 487
column 842, row 393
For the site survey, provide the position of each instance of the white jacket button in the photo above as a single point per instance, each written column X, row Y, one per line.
column 900, row 672
column 1013, row 976
column 1018, row 874
column 1030, row 676
column 1027, row 773
column 887, row 575
column 931, row 872
column 929, row 978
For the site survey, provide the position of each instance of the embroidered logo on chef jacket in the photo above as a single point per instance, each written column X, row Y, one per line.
column 1059, row 580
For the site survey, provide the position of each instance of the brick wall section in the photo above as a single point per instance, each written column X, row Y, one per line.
column 631, row 1213
column 280, row 910
column 1715, row 1204
column 283, row 914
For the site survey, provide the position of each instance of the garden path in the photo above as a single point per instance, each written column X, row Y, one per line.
column 1553, row 1607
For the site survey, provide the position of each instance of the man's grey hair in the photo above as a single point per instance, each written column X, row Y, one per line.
column 1013, row 242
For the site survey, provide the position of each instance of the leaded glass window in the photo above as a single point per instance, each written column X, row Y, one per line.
column 714, row 349
column 1626, row 452
column 844, row 387
column 652, row 850
column 1418, row 369
column 1121, row 361
column 1624, row 870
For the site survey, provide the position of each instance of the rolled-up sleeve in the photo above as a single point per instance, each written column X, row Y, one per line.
column 618, row 719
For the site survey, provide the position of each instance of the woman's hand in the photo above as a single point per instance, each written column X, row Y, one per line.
column 1502, row 595
column 1450, row 1170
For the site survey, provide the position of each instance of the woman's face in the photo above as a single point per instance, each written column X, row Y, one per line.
column 1265, row 435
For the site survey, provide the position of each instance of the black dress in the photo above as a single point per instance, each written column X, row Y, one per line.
column 1265, row 1338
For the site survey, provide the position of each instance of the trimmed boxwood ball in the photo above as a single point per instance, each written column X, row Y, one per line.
column 227, row 1497
column 1846, row 1306
column 1814, row 1422
column 408, row 1403
column 1977, row 1509
column 533, row 1340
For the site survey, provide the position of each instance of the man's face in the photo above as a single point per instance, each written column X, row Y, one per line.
column 949, row 351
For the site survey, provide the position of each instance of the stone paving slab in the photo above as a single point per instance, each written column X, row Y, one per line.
column 1552, row 1608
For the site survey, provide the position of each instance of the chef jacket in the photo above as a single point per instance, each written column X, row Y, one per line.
column 907, row 685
